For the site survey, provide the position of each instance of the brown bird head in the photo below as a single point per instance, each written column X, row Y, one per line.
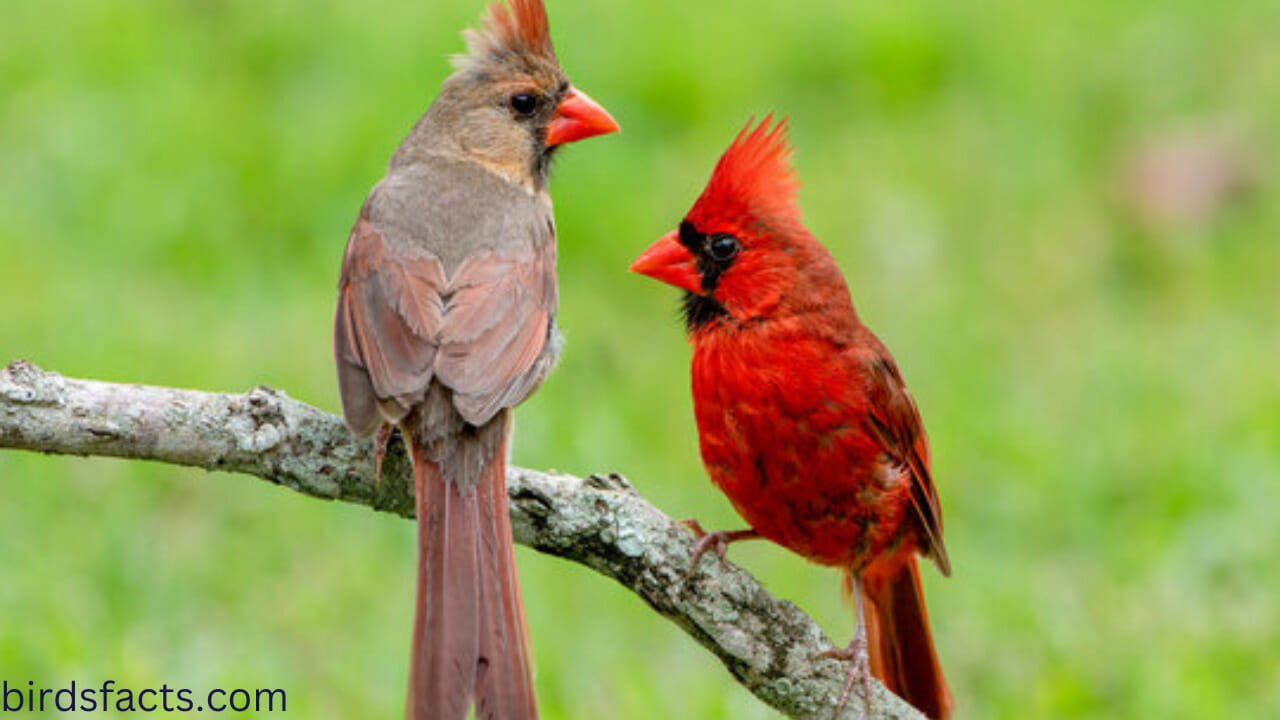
column 509, row 104
column 742, row 249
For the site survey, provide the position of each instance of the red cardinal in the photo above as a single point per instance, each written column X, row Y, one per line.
column 445, row 321
column 804, row 420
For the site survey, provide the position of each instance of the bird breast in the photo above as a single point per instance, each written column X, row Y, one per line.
column 782, row 434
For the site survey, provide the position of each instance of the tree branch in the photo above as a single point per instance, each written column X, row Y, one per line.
column 601, row 522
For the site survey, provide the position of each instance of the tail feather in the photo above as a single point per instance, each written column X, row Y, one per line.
column 504, row 679
column 470, row 642
column 901, row 645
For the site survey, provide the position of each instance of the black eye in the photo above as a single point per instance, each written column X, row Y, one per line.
column 524, row 104
column 722, row 248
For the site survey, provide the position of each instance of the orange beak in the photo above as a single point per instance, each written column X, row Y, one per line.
column 671, row 262
column 578, row 117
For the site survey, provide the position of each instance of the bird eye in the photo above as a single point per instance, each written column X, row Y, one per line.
column 524, row 104
column 722, row 248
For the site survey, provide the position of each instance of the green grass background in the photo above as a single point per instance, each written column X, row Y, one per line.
column 177, row 179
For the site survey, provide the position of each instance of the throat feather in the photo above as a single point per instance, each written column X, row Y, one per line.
column 700, row 311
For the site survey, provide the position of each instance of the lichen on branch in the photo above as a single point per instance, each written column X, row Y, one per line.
column 600, row 521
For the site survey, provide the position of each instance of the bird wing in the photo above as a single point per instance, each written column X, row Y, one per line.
column 390, row 311
column 895, row 422
column 402, row 323
column 497, row 326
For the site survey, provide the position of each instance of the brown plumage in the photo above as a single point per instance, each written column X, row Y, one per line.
column 445, row 321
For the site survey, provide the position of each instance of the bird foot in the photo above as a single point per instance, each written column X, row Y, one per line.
column 381, row 439
column 609, row 481
column 859, row 671
column 719, row 541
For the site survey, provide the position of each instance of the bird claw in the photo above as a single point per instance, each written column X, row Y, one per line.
column 694, row 527
column 381, row 439
column 717, row 540
column 860, row 670
column 609, row 481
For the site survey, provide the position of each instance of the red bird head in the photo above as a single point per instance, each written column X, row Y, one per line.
column 510, row 104
column 739, row 250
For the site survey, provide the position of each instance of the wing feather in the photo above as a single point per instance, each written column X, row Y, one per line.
column 401, row 324
column 389, row 312
column 495, row 336
column 895, row 421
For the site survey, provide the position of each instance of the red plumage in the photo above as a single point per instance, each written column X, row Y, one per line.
column 753, row 179
column 804, row 420
column 515, row 27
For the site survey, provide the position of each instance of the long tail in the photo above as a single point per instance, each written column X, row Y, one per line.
column 901, row 646
column 470, row 641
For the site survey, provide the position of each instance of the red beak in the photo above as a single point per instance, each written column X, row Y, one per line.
column 578, row 117
column 671, row 262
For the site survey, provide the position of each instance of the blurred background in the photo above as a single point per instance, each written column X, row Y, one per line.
column 1063, row 218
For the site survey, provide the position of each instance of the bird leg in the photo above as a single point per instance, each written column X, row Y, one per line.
column 718, row 540
column 856, row 654
column 381, row 439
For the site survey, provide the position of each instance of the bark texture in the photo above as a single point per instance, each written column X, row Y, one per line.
column 598, row 521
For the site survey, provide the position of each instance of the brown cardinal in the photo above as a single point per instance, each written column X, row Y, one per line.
column 445, row 321
column 803, row 418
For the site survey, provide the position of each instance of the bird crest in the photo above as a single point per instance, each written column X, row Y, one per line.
column 754, row 179
column 516, row 27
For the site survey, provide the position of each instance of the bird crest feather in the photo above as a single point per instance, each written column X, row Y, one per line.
column 754, row 178
column 513, row 27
